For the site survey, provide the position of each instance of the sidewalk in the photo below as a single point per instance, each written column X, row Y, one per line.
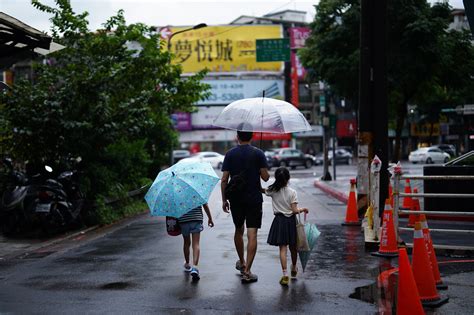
column 14, row 247
column 338, row 189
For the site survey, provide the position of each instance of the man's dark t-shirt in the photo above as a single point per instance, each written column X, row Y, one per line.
column 237, row 160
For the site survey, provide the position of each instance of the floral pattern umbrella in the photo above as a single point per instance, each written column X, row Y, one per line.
column 180, row 188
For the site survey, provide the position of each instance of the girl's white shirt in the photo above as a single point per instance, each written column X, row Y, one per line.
column 282, row 200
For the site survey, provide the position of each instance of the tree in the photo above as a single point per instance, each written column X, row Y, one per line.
column 107, row 97
column 422, row 62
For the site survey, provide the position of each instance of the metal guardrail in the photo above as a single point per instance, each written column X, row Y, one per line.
column 398, row 210
column 130, row 194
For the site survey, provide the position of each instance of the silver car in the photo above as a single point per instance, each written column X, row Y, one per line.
column 428, row 155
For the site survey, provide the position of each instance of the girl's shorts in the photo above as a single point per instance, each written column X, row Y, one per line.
column 191, row 227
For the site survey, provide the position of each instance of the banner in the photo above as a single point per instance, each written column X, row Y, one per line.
column 346, row 128
column 224, row 92
column 229, row 48
column 298, row 36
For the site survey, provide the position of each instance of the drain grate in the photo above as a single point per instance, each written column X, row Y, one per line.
column 335, row 204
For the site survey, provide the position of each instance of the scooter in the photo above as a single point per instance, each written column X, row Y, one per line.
column 59, row 202
column 15, row 199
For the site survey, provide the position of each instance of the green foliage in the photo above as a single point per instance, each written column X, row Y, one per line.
column 427, row 64
column 107, row 214
column 107, row 97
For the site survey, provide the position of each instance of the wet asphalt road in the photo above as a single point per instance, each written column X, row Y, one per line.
column 137, row 268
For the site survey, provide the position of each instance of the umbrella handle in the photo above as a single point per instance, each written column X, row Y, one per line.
column 305, row 215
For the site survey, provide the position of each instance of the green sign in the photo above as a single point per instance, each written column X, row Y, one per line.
column 332, row 121
column 322, row 103
column 275, row 49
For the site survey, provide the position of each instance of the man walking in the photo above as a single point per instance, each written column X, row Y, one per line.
column 250, row 163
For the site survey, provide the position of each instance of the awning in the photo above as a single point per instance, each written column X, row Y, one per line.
column 19, row 41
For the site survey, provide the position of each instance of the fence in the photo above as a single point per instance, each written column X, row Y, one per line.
column 398, row 210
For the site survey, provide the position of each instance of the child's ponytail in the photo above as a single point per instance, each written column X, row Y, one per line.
column 282, row 176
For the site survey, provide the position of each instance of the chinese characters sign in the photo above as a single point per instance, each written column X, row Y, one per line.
column 224, row 92
column 223, row 48
column 298, row 36
column 275, row 49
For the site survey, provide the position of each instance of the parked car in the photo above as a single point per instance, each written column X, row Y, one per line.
column 269, row 155
column 448, row 148
column 216, row 159
column 343, row 156
column 289, row 157
column 180, row 154
column 428, row 155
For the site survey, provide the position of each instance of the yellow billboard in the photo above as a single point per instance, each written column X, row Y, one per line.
column 230, row 48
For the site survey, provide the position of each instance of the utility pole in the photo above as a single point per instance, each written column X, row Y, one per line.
column 373, row 112
column 325, row 122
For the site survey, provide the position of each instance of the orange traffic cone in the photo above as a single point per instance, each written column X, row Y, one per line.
column 431, row 253
column 388, row 242
column 422, row 271
column 408, row 299
column 351, row 212
column 415, row 205
column 407, row 200
column 390, row 193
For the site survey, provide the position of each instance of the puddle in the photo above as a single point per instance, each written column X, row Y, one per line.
column 116, row 286
column 382, row 292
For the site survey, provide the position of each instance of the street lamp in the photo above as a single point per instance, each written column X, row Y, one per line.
column 195, row 27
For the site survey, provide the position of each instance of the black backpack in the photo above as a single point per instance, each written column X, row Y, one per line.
column 237, row 186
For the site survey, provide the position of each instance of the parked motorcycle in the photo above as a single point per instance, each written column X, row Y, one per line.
column 16, row 197
column 59, row 201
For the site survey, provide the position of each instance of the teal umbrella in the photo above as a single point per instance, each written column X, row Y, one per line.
column 312, row 234
column 180, row 188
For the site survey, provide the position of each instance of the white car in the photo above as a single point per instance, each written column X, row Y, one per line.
column 428, row 155
column 216, row 159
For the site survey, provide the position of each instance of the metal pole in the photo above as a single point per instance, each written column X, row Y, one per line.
column 396, row 195
column 195, row 27
column 334, row 160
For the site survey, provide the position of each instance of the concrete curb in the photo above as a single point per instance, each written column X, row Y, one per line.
column 342, row 197
column 38, row 246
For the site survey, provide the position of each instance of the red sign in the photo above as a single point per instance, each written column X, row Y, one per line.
column 270, row 136
column 346, row 128
column 294, row 87
column 298, row 36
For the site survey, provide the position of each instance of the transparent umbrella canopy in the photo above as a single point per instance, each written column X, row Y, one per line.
column 261, row 114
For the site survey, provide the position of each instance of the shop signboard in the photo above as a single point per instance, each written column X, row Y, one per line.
column 181, row 121
column 298, row 36
column 207, row 136
column 206, row 115
column 230, row 48
column 224, row 92
column 346, row 128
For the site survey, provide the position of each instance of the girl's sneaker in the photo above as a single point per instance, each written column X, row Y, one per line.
column 294, row 272
column 187, row 267
column 195, row 274
column 284, row 280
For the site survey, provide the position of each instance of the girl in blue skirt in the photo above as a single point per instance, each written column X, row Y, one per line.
column 283, row 230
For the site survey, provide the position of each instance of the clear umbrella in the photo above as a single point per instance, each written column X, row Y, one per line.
column 261, row 114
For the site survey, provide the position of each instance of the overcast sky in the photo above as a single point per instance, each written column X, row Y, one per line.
column 163, row 12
